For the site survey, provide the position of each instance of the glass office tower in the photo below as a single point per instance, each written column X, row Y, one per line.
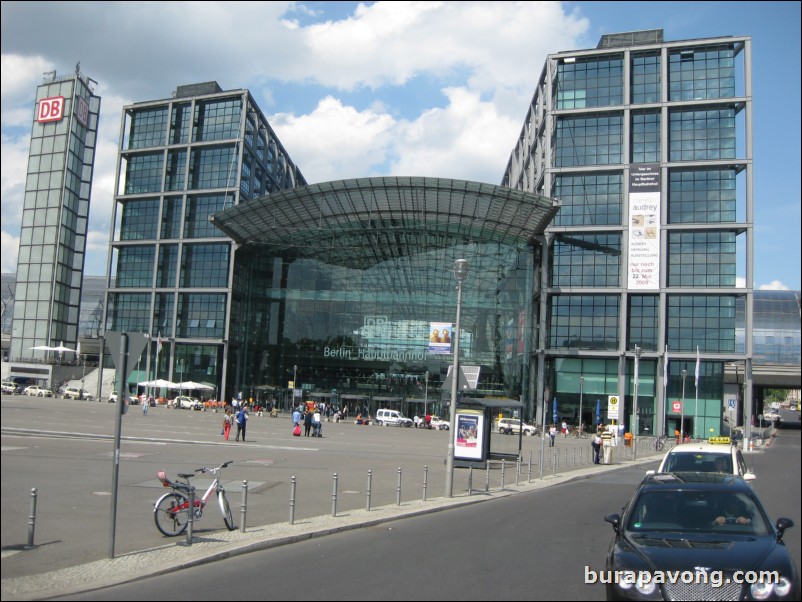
column 55, row 216
column 171, row 273
column 648, row 146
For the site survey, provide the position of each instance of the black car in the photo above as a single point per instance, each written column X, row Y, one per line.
column 698, row 536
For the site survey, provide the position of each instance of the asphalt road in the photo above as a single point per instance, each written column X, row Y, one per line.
column 531, row 546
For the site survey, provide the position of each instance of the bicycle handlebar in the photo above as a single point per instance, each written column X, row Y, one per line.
column 208, row 469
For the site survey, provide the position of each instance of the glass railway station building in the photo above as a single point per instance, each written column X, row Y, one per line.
column 621, row 222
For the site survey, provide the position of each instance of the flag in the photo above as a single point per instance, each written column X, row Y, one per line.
column 697, row 366
column 78, row 350
column 159, row 342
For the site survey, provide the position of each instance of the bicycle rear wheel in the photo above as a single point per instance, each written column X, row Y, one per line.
column 228, row 519
column 171, row 514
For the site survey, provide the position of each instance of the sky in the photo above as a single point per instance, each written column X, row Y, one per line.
column 396, row 88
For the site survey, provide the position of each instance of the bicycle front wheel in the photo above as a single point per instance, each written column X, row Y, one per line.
column 225, row 509
column 171, row 514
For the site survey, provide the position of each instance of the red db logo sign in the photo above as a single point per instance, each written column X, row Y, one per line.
column 50, row 109
column 676, row 406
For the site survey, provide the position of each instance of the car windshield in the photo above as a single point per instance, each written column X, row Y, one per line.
column 696, row 511
column 699, row 462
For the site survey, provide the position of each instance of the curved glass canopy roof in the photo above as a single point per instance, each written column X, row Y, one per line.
column 362, row 222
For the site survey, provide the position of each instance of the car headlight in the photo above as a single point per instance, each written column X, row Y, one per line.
column 647, row 589
column 762, row 591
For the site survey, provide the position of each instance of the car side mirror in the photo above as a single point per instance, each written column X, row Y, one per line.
column 749, row 476
column 782, row 524
column 615, row 521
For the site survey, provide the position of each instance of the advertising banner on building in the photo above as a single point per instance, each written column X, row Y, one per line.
column 643, row 268
column 440, row 337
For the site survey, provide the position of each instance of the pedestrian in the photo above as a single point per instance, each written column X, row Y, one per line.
column 317, row 425
column 607, row 445
column 552, row 434
column 242, row 421
column 296, row 417
column 307, row 422
column 145, row 405
column 596, row 444
column 565, row 428
column 227, row 423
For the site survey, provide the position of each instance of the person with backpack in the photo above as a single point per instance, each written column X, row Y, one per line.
column 242, row 421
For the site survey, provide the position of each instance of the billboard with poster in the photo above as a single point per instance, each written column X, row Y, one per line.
column 469, row 435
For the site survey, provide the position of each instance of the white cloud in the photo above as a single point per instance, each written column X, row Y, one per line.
column 335, row 141
column 774, row 285
column 8, row 258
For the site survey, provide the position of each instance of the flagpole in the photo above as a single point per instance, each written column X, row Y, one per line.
column 665, row 391
column 696, row 408
column 156, row 367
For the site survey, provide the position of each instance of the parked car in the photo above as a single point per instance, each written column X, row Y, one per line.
column 439, row 424
column 9, row 387
column 509, row 426
column 187, row 403
column 392, row 418
column 706, row 457
column 684, row 523
column 37, row 391
column 77, row 393
column 132, row 400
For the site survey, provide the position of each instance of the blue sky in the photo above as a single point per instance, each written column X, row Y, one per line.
column 368, row 89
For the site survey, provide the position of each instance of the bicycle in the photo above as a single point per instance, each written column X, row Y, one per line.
column 660, row 443
column 171, row 511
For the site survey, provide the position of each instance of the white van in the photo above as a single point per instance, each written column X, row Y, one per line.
column 392, row 417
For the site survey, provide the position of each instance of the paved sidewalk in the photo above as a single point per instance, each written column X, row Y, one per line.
column 217, row 545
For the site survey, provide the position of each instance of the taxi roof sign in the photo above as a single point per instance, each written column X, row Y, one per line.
column 719, row 440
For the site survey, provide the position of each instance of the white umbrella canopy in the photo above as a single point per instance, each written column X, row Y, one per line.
column 159, row 384
column 190, row 385
column 61, row 348
column 42, row 348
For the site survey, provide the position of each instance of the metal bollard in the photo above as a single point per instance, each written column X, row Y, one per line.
column 292, row 500
column 503, row 468
column 566, row 458
column 243, row 511
column 191, row 519
column 529, row 472
column 425, row 480
column 517, row 470
column 470, row 480
column 32, row 519
column 367, row 491
column 398, row 489
column 334, row 496
column 554, row 465
column 487, row 477
column 573, row 457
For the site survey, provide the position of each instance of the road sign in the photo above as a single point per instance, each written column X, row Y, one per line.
column 136, row 345
column 612, row 407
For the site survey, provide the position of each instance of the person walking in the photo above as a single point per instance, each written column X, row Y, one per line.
column 227, row 418
column 307, row 422
column 242, row 421
column 317, row 425
column 607, row 445
column 564, row 428
column 552, row 434
column 596, row 444
column 145, row 405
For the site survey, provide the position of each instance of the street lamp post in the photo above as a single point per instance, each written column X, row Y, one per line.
column 682, row 419
column 635, row 406
column 581, row 392
column 425, row 396
column 460, row 273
